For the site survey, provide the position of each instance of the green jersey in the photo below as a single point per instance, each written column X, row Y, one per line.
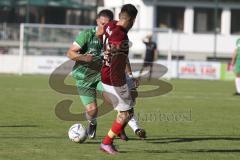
column 238, row 56
column 237, row 62
column 89, row 43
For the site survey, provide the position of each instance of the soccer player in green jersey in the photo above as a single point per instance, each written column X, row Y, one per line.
column 236, row 63
column 87, row 48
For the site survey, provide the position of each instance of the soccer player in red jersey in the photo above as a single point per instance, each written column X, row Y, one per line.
column 113, row 73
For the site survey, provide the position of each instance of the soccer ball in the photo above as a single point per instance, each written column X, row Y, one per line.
column 77, row 133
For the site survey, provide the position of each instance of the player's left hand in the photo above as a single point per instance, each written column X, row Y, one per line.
column 136, row 82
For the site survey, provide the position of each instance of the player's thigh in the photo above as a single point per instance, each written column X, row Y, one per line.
column 99, row 88
column 87, row 92
column 119, row 97
column 237, row 69
column 88, row 101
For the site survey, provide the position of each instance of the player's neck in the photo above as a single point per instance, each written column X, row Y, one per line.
column 122, row 23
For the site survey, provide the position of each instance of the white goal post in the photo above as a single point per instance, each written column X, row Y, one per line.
column 47, row 40
column 40, row 37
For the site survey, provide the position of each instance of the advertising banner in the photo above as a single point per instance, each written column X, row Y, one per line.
column 199, row 70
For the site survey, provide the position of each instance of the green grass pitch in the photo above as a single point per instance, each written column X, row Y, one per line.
column 197, row 120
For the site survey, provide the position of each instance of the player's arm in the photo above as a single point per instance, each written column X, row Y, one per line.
column 128, row 70
column 133, row 91
column 73, row 54
column 234, row 56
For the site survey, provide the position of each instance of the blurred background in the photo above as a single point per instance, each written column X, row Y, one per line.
column 195, row 38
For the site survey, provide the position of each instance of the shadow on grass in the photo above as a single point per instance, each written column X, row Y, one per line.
column 188, row 139
column 195, row 151
column 32, row 137
column 92, row 142
column 216, row 150
column 18, row 126
column 166, row 140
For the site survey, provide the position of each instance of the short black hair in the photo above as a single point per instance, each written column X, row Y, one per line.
column 130, row 9
column 106, row 13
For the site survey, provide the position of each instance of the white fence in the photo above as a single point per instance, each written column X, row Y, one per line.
column 35, row 39
column 47, row 64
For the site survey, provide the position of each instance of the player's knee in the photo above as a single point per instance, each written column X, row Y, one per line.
column 122, row 117
column 91, row 107
column 92, row 110
column 125, row 116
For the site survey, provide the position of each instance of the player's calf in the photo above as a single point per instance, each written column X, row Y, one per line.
column 91, row 115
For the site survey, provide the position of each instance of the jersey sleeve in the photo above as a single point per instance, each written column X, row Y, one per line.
column 82, row 39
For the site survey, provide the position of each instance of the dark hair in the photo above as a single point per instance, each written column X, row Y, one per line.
column 130, row 9
column 106, row 13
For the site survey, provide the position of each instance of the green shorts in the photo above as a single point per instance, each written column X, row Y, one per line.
column 88, row 91
column 237, row 68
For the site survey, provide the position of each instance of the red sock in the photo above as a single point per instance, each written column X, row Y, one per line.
column 116, row 128
column 123, row 129
column 107, row 140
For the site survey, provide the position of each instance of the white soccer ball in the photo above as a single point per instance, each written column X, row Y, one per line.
column 77, row 133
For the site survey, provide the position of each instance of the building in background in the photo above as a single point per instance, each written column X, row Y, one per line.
column 202, row 29
column 192, row 31
column 79, row 12
column 14, row 12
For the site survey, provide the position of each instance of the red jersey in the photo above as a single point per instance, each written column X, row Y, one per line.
column 116, row 40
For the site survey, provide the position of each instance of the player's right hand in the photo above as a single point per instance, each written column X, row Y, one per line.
column 107, row 57
column 87, row 57
column 136, row 82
